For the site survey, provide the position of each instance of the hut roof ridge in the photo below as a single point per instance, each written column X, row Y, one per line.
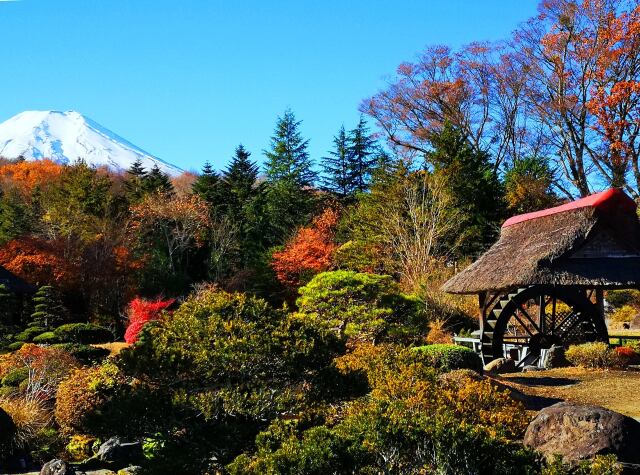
column 605, row 200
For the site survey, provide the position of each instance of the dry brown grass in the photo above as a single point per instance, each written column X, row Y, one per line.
column 613, row 389
column 29, row 416
column 113, row 347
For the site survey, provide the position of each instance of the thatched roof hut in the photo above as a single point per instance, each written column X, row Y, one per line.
column 592, row 242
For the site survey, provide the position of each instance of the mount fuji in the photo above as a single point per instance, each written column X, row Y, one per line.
column 65, row 137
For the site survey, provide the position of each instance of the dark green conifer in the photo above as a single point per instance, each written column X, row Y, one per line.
column 48, row 309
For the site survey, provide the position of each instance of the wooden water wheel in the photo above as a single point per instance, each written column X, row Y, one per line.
column 531, row 319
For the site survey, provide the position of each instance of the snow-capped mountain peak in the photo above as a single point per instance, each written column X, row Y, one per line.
column 68, row 136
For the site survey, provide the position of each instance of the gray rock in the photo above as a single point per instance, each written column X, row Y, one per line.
column 57, row 467
column 132, row 470
column 500, row 365
column 555, row 358
column 579, row 432
column 118, row 453
column 530, row 368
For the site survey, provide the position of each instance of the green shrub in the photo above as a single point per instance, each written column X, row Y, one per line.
column 84, row 353
column 46, row 338
column 83, row 333
column 361, row 306
column 101, row 401
column 15, row 377
column 449, row 357
column 29, row 334
column 593, row 355
column 15, row 346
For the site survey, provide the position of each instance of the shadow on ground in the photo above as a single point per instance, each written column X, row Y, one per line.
column 545, row 381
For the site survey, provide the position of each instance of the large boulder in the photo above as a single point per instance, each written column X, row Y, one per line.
column 500, row 365
column 579, row 432
column 121, row 454
column 57, row 467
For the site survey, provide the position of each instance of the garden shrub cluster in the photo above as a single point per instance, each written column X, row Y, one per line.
column 594, row 355
column 82, row 333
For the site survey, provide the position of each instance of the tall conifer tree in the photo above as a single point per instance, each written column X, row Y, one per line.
column 362, row 157
column 336, row 166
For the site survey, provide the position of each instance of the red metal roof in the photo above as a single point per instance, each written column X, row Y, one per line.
column 608, row 200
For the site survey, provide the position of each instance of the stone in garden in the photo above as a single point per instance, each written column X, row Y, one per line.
column 530, row 368
column 132, row 470
column 57, row 467
column 116, row 452
column 579, row 432
column 501, row 365
column 555, row 358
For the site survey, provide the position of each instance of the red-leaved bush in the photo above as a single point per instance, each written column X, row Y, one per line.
column 626, row 354
column 142, row 311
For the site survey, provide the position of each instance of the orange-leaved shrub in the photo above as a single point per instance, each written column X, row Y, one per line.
column 141, row 312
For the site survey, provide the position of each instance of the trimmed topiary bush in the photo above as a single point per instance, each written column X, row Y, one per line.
column 83, row 333
column 15, row 377
column 29, row 334
column 84, row 353
column 15, row 346
column 449, row 357
column 46, row 338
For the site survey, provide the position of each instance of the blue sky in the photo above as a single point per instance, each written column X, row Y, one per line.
column 189, row 80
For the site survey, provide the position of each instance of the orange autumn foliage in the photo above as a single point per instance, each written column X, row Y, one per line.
column 309, row 252
column 39, row 262
column 27, row 175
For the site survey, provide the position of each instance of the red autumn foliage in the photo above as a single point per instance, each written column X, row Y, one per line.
column 627, row 355
column 141, row 312
column 309, row 252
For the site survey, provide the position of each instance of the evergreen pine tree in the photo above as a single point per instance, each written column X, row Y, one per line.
column 239, row 181
column 288, row 158
column 477, row 192
column 337, row 166
column 208, row 186
column 48, row 309
column 16, row 217
column 362, row 158
column 289, row 198
column 156, row 181
column 134, row 183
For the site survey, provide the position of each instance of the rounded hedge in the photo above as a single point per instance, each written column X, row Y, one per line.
column 449, row 357
column 84, row 353
column 29, row 334
column 15, row 377
column 83, row 333
column 15, row 346
column 46, row 338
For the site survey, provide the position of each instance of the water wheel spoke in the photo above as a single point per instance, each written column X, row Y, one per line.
column 528, row 317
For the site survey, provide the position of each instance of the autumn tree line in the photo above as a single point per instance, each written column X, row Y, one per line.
column 457, row 142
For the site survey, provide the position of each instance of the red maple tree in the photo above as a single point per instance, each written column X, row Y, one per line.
column 309, row 252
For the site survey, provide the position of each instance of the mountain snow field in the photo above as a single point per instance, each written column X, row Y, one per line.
column 65, row 137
